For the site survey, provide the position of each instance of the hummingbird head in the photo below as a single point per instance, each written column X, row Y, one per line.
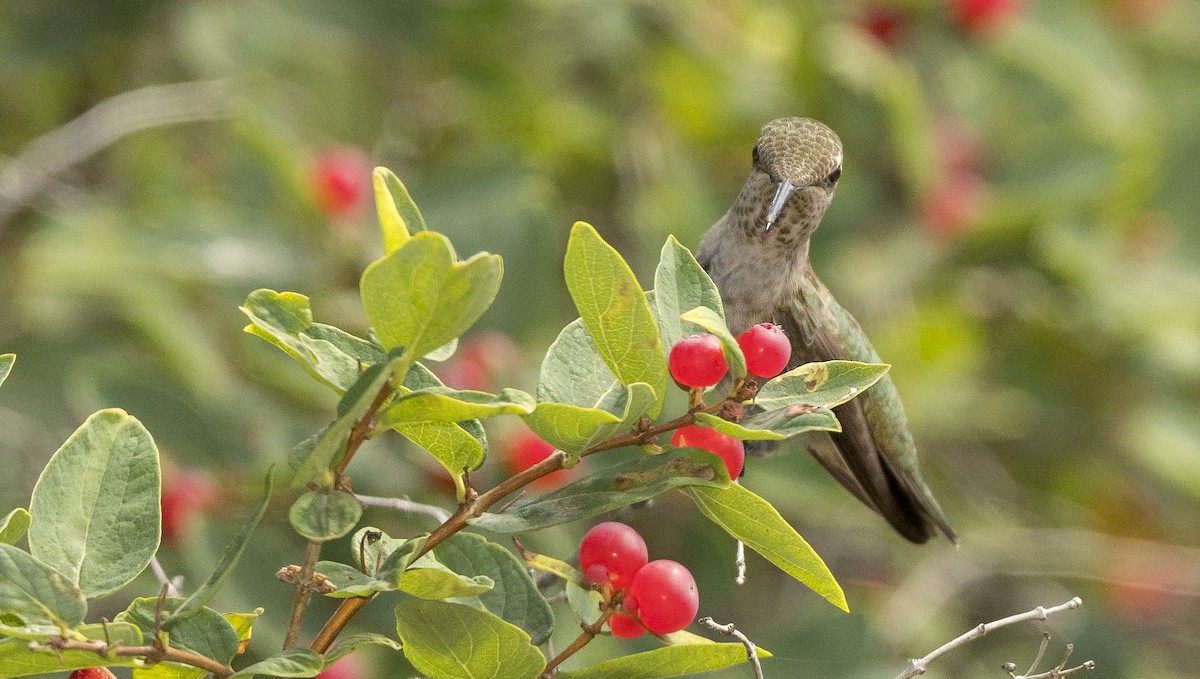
column 798, row 161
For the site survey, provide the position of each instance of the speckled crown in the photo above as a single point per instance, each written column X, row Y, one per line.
column 798, row 149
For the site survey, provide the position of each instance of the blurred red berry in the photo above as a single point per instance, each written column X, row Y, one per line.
column 625, row 627
column 959, row 148
column 348, row 667
column 93, row 673
column 525, row 449
column 481, row 361
column 697, row 360
column 952, row 205
column 186, row 494
column 983, row 16
column 766, row 348
column 888, row 25
column 664, row 597
column 342, row 181
column 611, row 554
column 731, row 451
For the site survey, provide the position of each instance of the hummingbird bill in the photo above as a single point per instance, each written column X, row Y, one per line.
column 758, row 256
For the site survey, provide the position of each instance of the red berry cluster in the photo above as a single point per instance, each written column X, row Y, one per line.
column 659, row 596
column 699, row 361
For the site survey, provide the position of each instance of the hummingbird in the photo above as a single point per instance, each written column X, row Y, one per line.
column 757, row 254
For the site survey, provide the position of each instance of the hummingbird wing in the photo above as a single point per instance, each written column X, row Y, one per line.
column 874, row 456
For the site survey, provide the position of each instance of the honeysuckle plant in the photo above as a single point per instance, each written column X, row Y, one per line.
column 464, row 605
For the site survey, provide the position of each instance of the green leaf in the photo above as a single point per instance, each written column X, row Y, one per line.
column 680, row 284
column 585, row 603
column 398, row 214
column 419, row 298
column 312, row 459
column 755, row 522
column 323, row 514
column 671, row 661
column 514, row 597
column 556, row 567
column 349, row 643
column 736, row 430
column 452, row 641
column 376, row 552
column 714, row 323
column 791, row 420
column 443, row 404
column 36, row 593
column 427, row 578
column 614, row 310
column 620, row 485
column 96, row 509
column 17, row 659
column 6, row 364
column 351, row 582
column 14, row 525
column 575, row 428
column 573, row 372
column 224, row 568
column 243, row 624
column 820, row 384
column 329, row 354
column 205, row 631
column 294, row 662
column 774, row 425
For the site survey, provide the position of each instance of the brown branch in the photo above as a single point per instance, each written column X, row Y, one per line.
column 477, row 505
column 304, row 591
column 360, row 432
column 153, row 654
column 585, row 637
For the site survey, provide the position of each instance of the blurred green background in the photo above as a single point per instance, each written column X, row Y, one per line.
column 1015, row 229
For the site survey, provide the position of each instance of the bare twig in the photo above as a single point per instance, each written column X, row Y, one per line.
column 304, row 591
column 172, row 584
column 918, row 666
column 476, row 505
column 27, row 175
column 740, row 563
column 585, row 637
column 730, row 630
column 1059, row 670
column 405, row 505
column 153, row 654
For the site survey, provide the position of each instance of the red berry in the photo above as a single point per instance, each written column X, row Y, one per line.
column 664, row 597
column 526, row 449
column 766, row 348
column 184, row 495
column 982, row 16
column 611, row 554
column 625, row 627
column 697, row 360
column 732, row 451
column 342, row 180
column 92, row 673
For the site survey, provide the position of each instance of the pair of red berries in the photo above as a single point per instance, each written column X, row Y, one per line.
column 660, row 596
column 698, row 360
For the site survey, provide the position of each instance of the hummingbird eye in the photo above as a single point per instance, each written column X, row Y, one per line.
column 834, row 176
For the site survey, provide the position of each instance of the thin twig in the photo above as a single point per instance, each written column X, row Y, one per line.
column 585, row 637
column 477, row 505
column 405, row 505
column 304, row 591
column 153, row 654
column 163, row 579
column 740, row 563
column 918, row 666
column 1059, row 670
column 43, row 159
column 730, row 630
